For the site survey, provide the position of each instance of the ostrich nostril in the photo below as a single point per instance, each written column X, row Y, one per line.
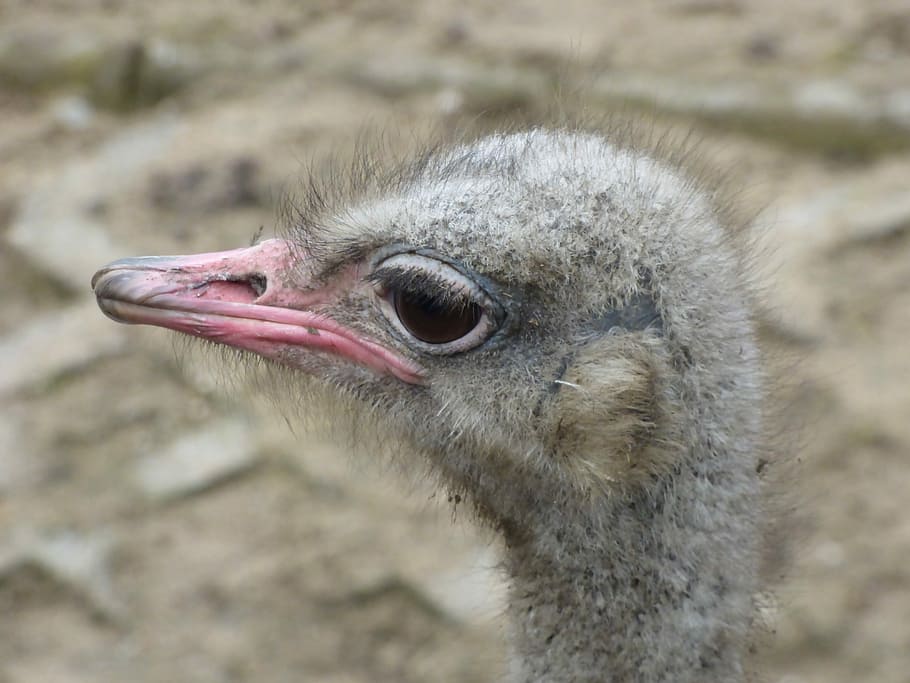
column 258, row 283
column 237, row 289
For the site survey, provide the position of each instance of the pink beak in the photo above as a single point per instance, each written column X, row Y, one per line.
column 243, row 298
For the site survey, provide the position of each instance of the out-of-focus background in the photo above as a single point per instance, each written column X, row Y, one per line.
column 156, row 527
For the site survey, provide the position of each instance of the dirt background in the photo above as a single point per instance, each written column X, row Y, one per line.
column 156, row 525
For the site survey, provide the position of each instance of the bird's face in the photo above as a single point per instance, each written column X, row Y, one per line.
column 497, row 306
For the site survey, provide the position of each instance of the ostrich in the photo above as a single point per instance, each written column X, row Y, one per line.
column 559, row 326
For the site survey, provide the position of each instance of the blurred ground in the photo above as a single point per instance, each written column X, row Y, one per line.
column 153, row 527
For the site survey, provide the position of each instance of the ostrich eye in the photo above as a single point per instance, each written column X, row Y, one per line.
column 433, row 321
column 434, row 306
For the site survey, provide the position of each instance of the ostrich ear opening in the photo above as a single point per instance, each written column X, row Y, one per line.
column 613, row 414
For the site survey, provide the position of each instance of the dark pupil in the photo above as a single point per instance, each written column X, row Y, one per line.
column 434, row 322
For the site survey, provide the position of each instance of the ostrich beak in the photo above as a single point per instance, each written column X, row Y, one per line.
column 243, row 298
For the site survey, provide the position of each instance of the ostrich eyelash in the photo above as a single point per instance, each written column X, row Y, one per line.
column 430, row 287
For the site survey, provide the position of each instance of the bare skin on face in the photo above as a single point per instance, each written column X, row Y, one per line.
column 240, row 298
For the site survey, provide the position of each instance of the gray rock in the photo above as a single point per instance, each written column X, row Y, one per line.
column 54, row 228
column 200, row 188
column 473, row 592
column 55, row 343
column 73, row 113
column 834, row 118
column 198, row 460
column 15, row 466
column 480, row 89
column 77, row 562
column 134, row 75
column 40, row 61
column 873, row 205
column 813, row 98
column 870, row 205
column 113, row 73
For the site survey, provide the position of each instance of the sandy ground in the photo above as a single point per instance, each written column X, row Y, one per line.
column 170, row 127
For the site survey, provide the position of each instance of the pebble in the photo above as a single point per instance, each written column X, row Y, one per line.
column 871, row 206
column 15, row 465
column 474, row 592
column 199, row 188
column 198, row 460
column 478, row 89
column 74, row 560
column 54, row 343
column 122, row 75
column 73, row 113
column 134, row 74
column 837, row 103
column 54, row 227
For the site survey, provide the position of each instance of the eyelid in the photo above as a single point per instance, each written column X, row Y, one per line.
column 442, row 289
column 404, row 270
column 408, row 268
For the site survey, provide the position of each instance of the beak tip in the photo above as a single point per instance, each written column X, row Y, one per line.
column 97, row 276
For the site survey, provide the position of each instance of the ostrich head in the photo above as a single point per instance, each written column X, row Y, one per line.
column 559, row 326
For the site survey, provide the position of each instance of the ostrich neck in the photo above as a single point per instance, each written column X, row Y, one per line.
column 652, row 588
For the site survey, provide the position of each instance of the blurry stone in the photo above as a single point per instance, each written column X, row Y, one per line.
column 449, row 101
column 199, row 460
column 830, row 554
column 199, row 188
column 77, row 562
column 134, row 75
column 472, row 593
column 175, row 190
column 276, row 30
column 73, row 113
column 392, row 79
column 55, row 343
column 120, row 76
column 395, row 590
column 70, row 250
column 82, row 561
column 500, row 90
column 707, row 6
column 763, row 48
column 484, row 89
column 871, row 206
column 33, row 292
column 831, row 117
column 887, row 32
column 40, row 62
column 13, row 459
column 832, row 98
column 456, row 32
column 897, row 105
column 880, row 222
column 118, row 83
column 55, row 229
column 8, row 207
column 241, row 188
